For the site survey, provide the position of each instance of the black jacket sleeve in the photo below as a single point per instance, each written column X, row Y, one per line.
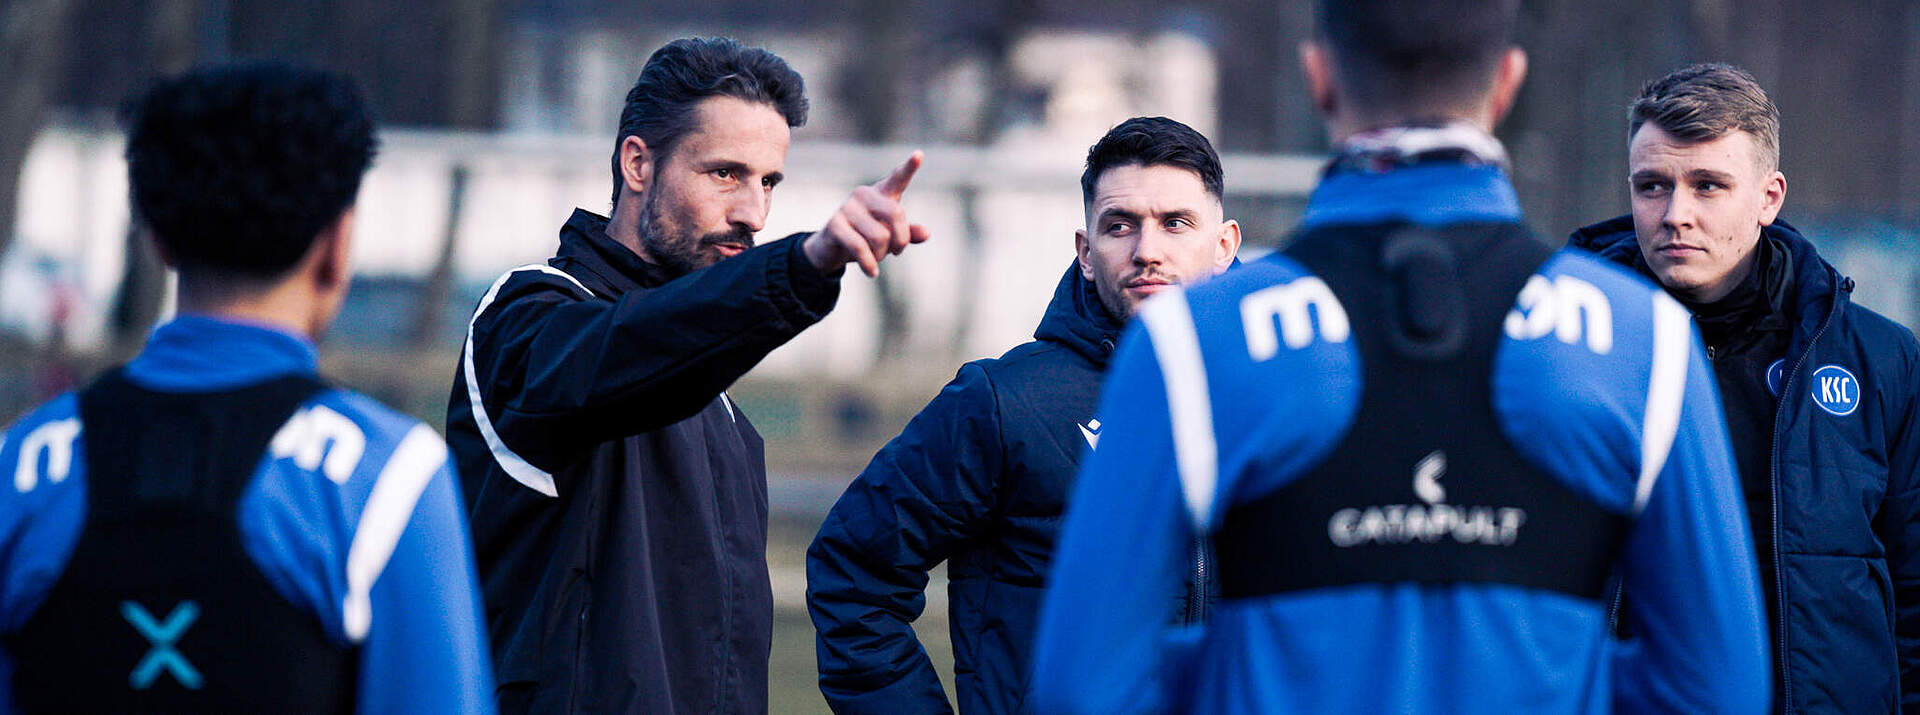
column 928, row 490
column 559, row 371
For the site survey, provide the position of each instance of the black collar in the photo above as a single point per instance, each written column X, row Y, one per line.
column 584, row 241
column 1757, row 303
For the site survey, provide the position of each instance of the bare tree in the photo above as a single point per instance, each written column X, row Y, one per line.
column 473, row 58
column 173, row 37
column 872, row 87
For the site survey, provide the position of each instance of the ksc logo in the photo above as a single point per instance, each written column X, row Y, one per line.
column 1835, row 390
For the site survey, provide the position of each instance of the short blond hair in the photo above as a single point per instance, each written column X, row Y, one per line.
column 1704, row 102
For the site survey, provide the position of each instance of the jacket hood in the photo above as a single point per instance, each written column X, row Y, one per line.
column 1613, row 240
column 1077, row 319
column 1818, row 289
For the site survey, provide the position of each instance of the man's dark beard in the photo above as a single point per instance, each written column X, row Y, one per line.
column 1115, row 301
column 681, row 254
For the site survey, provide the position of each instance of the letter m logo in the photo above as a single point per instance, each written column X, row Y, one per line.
column 1299, row 307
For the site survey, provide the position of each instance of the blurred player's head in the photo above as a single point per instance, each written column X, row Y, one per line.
column 245, row 176
column 703, row 140
column 1703, row 163
column 1152, row 189
column 1374, row 63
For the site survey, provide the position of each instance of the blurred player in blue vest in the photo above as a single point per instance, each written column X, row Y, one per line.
column 1421, row 441
column 211, row 527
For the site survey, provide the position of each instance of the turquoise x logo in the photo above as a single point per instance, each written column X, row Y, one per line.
column 163, row 656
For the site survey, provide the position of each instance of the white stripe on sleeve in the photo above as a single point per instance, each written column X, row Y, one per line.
column 1169, row 322
column 1666, row 389
column 389, row 507
column 523, row 472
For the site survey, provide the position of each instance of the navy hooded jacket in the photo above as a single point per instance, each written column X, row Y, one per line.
column 979, row 479
column 1845, row 474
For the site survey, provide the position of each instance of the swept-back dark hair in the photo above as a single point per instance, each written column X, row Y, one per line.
column 1415, row 57
column 238, row 168
column 659, row 108
column 1153, row 141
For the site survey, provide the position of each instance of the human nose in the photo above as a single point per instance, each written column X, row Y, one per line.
column 749, row 209
column 1679, row 212
column 1152, row 246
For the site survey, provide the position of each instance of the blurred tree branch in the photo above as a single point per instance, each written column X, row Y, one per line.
column 173, row 44
column 1010, row 20
column 872, row 86
column 473, row 57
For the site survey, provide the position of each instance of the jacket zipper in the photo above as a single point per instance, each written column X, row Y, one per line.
column 579, row 653
column 1779, row 564
column 1197, row 597
column 1613, row 609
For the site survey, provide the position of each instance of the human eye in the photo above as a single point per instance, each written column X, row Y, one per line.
column 1178, row 224
column 1650, row 187
column 1119, row 228
column 724, row 173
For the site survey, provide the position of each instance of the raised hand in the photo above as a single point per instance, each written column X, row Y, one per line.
column 870, row 226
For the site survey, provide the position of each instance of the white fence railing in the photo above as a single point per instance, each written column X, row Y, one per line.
column 1002, row 220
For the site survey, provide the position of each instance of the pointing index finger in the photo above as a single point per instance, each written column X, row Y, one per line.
column 896, row 183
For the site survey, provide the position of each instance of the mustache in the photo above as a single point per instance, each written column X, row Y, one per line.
column 737, row 234
column 1149, row 275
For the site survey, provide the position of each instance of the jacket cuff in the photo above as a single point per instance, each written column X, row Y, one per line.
column 815, row 290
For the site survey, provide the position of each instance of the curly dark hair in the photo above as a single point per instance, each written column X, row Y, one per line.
column 1153, row 141
column 238, row 168
column 659, row 108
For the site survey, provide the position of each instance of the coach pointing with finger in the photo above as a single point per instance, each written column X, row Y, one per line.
column 618, row 498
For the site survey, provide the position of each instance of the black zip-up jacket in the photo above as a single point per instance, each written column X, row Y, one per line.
column 978, row 479
column 619, row 499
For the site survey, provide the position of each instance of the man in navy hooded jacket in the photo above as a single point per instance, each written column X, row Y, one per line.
column 980, row 477
column 1819, row 393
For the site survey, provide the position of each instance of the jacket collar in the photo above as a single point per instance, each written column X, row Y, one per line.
column 1077, row 319
column 207, row 353
column 1428, row 194
column 1419, row 174
column 584, row 243
column 1391, row 147
column 1809, row 292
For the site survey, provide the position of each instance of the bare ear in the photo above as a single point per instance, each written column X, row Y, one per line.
column 1081, row 247
column 333, row 250
column 1506, row 85
column 636, row 164
column 1229, row 246
column 1318, row 69
column 166, row 255
column 1774, row 194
